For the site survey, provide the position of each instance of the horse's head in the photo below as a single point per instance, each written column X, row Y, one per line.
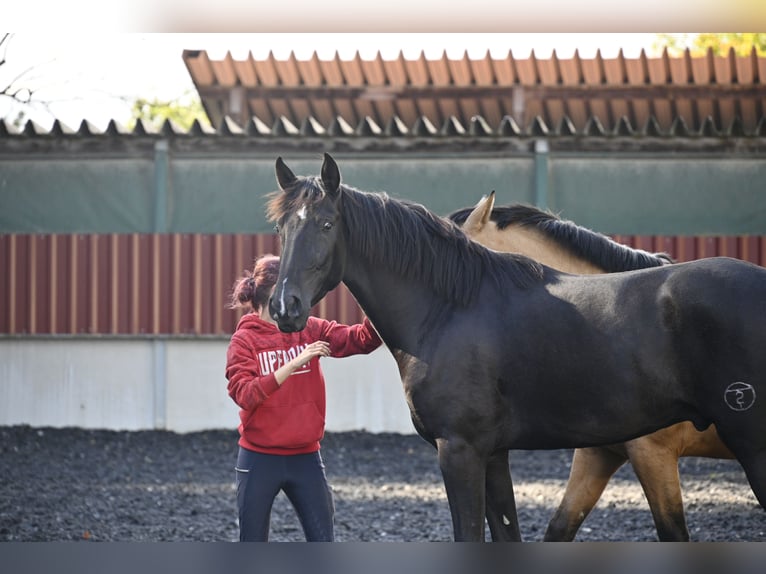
column 307, row 216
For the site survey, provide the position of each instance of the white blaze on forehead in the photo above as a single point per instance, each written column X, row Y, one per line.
column 282, row 298
column 302, row 213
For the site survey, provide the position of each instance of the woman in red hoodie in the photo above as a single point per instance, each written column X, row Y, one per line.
column 276, row 380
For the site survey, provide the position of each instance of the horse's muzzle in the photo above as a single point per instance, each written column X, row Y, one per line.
column 288, row 314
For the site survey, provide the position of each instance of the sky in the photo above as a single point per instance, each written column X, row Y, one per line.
column 96, row 77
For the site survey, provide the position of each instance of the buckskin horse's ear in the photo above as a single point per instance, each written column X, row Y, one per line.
column 330, row 175
column 285, row 177
column 480, row 215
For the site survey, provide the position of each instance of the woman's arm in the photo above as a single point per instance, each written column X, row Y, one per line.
column 315, row 349
column 247, row 387
column 346, row 340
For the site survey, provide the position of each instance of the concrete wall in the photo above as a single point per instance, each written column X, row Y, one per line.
column 178, row 385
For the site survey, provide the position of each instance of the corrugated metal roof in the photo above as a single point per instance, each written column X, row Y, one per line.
column 367, row 127
column 704, row 93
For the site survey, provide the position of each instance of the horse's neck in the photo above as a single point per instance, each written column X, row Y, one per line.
column 535, row 245
column 393, row 304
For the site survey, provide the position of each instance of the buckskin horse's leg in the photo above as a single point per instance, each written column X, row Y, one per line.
column 464, row 470
column 591, row 470
column 656, row 467
column 501, row 503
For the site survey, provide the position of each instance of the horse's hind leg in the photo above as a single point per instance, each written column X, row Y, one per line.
column 591, row 470
column 755, row 470
column 501, row 503
column 743, row 431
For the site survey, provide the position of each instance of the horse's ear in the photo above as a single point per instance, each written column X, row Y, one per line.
column 480, row 215
column 330, row 175
column 285, row 177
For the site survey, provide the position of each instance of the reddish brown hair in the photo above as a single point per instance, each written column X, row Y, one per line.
column 252, row 290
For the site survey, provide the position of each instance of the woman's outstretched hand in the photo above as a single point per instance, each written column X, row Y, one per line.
column 315, row 349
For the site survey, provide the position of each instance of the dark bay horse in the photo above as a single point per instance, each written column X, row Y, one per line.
column 499, row 352
column 571, row 248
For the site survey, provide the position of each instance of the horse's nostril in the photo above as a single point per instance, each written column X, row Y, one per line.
column 274, row 310
column 293, row 307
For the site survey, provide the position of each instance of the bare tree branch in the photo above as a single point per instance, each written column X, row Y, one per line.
column 19, row 89
column 4, row 44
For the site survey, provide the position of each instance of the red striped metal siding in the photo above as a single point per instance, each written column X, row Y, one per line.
column 132, row 284
column 178, row 284
column 750, row 248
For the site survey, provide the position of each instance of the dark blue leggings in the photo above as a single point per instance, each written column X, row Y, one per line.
column 260, row 477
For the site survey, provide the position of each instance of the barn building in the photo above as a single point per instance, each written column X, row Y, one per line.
column 118, row 247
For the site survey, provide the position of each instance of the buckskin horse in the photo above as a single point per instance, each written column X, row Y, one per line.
column 499, row 352
column 568, row 247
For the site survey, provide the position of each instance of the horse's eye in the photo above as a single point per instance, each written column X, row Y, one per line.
column 327, row 225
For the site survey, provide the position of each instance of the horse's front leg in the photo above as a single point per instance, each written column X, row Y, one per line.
column 501, row 503
column 464, row 470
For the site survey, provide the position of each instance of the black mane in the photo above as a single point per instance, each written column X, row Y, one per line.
column 588, row 245
column 411, row 241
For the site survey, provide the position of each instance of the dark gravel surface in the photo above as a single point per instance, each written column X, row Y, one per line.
column 74, row 484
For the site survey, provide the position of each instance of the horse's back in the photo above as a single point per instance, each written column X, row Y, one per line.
column 723, row 272
column 717, row 297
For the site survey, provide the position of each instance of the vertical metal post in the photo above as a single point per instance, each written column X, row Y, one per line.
column 237, row 106
column 159, row 359
column 518, row 104
column 159, row 346
column 541, row 173
column 161, row 169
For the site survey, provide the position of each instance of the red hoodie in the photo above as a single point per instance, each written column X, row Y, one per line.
column 287, row 419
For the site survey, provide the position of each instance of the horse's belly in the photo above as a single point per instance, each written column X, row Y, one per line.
column 589, row 409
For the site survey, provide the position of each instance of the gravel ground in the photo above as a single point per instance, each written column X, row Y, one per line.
column 74, row 484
